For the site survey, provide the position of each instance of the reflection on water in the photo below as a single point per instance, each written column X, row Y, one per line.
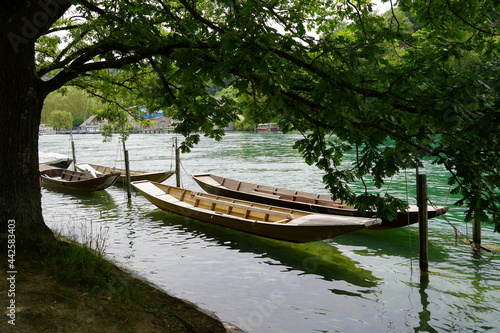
column 365, row 281
column 316, row 258
column 100, row 199
column 424, row 315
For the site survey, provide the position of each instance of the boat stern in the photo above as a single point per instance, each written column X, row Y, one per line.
column 335, row 220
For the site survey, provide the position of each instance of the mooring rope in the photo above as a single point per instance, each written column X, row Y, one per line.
column 467, row 240
column 172, row 154
column 118, row 150
column 408, row 219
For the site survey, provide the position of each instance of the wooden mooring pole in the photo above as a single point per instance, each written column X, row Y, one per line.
column 177, row 165
column 127, row 172
column 73, row 151
column 476, row 232
column 476, row 225
column 423, row 227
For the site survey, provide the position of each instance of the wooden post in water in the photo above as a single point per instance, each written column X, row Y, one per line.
column 73, row 151
column 177, row 165
column 476, row 232
column 127, row 172
column 422, row 223
column 476, row 226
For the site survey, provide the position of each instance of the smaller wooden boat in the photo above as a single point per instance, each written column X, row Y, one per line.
column 54, row 159
column 134, row 175
column 319, row 203
column 74, row 180
column 263, row 220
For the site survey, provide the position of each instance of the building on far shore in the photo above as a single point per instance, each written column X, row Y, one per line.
column 92, row 125
column 267, row 127
column 163, row 124
column 46, row 129
column 159, row 124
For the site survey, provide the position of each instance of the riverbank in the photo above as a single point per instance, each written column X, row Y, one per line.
column 72, row 289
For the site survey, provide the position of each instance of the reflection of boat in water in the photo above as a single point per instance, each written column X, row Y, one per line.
column 396, row 243
column 263, row 220
column 300, row 200
column 101, row 201
column 317, row 258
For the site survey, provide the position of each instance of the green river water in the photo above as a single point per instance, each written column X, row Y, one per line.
column 366, row 281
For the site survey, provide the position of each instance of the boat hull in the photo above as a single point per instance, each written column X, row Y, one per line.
column 134, row 175
column 80, row 182
column 306, row 227
column 213, row 184
column 54, row 159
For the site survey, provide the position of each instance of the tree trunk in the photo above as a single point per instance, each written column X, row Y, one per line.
column 21, row 101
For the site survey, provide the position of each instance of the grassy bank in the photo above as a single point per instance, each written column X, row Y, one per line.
column 65, row 287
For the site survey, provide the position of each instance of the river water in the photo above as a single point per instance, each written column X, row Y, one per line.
column 366, row 281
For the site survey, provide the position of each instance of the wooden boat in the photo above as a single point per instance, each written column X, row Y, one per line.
column 54, row 159
column 74, row 180
column 300, row 200
column 134, row 175
column 263, row 220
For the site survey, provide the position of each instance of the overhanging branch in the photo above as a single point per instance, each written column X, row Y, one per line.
column 82, row 61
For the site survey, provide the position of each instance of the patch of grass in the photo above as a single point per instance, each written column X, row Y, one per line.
column 73, row 264
column 78, row 256
column 80, row 265
column 62, row 286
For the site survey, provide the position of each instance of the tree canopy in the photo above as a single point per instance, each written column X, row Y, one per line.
column 72, row 100
column 420, row 82
column 61, row 119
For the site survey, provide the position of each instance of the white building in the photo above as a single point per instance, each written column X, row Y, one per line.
column 92, row 125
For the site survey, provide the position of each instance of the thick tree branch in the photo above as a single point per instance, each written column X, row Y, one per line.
column 162, row 77
column 85, row 63
column 467, row 22
column 65, row 28
column 85, row 54
column 75, row 71
column 360, row 18
column 366, row 92
column 38, row 16
column 200, row 18
column 92, row 7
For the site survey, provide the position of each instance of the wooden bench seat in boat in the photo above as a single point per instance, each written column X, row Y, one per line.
column 319, row 199
column 72, row 175
column 230, row 204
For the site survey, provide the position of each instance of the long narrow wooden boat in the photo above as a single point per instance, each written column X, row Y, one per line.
column 300, row 200
column 263, row 220
column 75, row 181
column 134, row 175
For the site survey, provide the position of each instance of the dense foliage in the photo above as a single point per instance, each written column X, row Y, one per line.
column 419, row 82
column 75, row 101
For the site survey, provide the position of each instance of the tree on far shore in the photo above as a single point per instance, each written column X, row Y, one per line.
column 61, row 119
column 73, row 100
